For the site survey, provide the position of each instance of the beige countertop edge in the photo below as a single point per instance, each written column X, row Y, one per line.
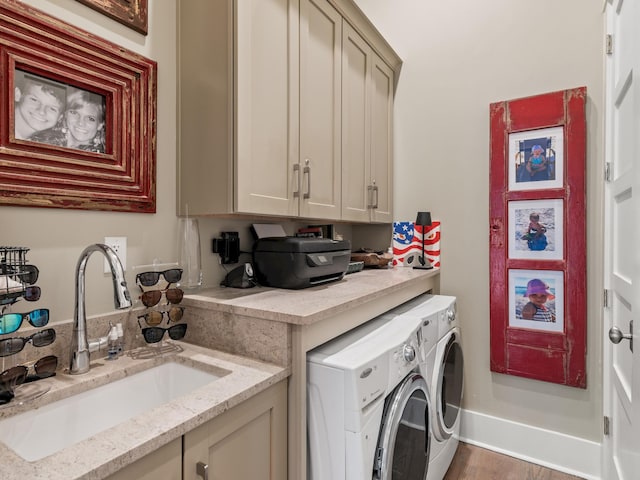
column 107, row 452
column 309, row 305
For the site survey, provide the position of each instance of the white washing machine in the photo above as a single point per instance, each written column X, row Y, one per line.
column 369, row 402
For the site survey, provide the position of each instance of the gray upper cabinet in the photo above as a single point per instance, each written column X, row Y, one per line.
column 262, row 113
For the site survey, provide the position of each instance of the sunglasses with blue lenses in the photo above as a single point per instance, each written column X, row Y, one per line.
column 10, row 322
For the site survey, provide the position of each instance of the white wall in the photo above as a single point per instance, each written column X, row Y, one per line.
column 457, row 60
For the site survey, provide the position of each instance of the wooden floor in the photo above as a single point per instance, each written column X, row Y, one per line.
column 475, row 463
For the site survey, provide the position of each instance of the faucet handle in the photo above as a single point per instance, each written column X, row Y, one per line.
column 98, row 343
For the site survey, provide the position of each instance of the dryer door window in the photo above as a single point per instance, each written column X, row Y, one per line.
column 403, row 446
column 452, row 381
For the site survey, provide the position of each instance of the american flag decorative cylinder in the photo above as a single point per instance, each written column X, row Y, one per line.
column 407, row 243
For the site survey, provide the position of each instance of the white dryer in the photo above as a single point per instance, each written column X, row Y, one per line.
column 369, row 399
column 447, row 382
column 443, row 369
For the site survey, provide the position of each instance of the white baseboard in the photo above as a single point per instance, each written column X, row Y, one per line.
column 561, row 452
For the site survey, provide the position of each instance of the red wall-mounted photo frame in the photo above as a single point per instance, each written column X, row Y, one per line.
column 537, row 237
column 77, row 78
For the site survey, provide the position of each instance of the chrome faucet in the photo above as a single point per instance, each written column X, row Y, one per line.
column 80, row 345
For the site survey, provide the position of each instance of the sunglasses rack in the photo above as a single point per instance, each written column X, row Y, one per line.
column 17, row 276
column 17, row 279
column 160, row 294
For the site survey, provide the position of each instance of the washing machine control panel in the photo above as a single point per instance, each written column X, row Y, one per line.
column 403, row 359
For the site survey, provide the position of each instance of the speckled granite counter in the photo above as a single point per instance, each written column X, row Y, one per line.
column 110, row 450
column 310, row 305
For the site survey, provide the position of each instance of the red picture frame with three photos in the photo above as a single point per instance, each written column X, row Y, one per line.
column 539, row 350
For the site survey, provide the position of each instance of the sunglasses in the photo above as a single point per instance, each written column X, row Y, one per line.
column 28, row 274
column 10, row 322
column 152, row 297
column 155, row 334
column 155, row 317
column 11, row 346
column 149, row 279
column 44, row 368
column 30, row 294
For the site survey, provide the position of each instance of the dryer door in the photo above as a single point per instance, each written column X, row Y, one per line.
column 403, row 445
column 448, row 382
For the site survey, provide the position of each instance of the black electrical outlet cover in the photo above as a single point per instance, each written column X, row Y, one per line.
column 228, row 247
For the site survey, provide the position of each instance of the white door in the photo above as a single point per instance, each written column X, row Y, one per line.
column 622, row 217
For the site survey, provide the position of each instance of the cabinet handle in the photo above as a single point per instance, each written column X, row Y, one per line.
column 296, row 170
column 202, row 469
column 307, row 170
column 370, row 195
column 375, row 190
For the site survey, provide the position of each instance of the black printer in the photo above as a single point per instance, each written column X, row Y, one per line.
column 299, row 262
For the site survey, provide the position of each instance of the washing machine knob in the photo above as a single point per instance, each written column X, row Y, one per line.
column 451, row 315
column 409, row 353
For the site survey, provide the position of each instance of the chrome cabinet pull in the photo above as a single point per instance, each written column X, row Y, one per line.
column 202, row 469
column 616, row 335
column 307, row 170
column 375, row 190
column 296, row 170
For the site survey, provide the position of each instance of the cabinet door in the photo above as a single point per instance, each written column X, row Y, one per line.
column 265, row 89
column 205, row 107
column 381, row 140
column 356, row 127
column 249, row 442
column 165, row 463
column 320, row 99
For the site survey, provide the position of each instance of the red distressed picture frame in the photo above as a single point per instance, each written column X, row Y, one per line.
column 132, row 13
column 537, row 237
column 44, row 167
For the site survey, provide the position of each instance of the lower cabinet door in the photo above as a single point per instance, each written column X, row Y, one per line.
column 164, row 463
column 249, row 442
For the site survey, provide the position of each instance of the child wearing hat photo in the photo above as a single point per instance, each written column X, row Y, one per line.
column 537, row 164
column 538, row 293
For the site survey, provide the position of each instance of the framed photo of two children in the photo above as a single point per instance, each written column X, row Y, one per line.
column 537, row 237
column 77, row 117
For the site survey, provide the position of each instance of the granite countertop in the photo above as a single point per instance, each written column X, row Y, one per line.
column 309, row 305
column 108, row 451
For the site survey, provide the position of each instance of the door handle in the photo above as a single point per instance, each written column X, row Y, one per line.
column 202, row 469
column 616, row 335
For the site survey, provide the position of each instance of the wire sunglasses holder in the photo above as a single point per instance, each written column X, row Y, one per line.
column 17, row 277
